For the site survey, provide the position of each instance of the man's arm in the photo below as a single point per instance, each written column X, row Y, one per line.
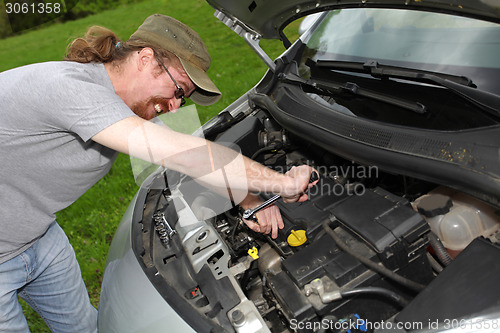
column 200, row 159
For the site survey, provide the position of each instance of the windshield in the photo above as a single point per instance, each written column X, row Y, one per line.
column 414, row 39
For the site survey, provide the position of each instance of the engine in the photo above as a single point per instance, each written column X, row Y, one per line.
column 360, row 252
column 356, row 253
column 305, row 275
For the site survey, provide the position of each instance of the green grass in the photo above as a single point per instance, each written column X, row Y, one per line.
column 91, row 221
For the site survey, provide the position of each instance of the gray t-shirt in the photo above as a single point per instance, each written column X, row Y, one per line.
column 48, row 113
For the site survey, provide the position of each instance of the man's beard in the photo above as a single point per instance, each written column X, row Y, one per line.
column 143, row 108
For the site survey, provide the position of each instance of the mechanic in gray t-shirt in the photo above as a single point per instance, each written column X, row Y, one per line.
column 62, row 124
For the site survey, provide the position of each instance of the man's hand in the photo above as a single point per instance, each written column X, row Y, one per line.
column 300, row 183
column 269, row 219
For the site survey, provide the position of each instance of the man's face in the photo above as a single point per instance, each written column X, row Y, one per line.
column 155, row 95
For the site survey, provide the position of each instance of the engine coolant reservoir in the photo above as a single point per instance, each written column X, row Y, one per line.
column 457, row 218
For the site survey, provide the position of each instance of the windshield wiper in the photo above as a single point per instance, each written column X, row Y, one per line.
column 379, row 71
column 460, row 85
column 349, row 87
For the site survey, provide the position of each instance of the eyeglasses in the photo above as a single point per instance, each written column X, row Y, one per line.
column 179, row 92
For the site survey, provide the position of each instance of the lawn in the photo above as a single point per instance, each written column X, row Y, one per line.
column 91, row 221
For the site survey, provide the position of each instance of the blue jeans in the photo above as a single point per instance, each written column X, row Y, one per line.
column 48, row 278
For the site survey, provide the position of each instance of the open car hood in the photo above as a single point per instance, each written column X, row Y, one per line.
column 268, row 18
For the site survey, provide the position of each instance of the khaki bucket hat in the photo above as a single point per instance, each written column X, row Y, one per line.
column 176, row 37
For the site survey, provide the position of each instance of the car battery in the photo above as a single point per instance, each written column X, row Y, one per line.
column 386, row 223
column 377, row 225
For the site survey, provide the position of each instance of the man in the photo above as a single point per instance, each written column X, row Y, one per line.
column 61, row 126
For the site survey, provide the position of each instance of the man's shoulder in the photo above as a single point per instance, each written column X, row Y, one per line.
column 73, row 77
column 56, row 71
column 71, row 70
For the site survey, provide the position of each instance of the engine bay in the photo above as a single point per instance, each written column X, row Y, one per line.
column 360, row 252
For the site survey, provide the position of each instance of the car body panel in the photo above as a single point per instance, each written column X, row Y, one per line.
column 267, row 18
column 127, row 293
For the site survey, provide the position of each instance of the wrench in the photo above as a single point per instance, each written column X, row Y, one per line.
column 249, row 214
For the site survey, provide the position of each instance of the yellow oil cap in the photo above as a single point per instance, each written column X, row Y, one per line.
column 297, row 238
column 253, row 252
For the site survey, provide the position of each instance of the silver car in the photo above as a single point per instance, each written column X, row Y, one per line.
column 397, row 105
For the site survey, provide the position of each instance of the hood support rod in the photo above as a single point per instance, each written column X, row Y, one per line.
column 251, row 37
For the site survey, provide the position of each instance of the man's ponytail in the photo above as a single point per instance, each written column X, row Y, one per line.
column 98, row 45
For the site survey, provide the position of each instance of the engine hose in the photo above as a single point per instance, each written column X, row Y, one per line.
column 417, row 287
column 378, row 291
column 235, row 222
column 441, row 252
column 272, row 146
column 436, row 266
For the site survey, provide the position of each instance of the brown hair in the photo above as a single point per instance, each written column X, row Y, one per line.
column 102, row 45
